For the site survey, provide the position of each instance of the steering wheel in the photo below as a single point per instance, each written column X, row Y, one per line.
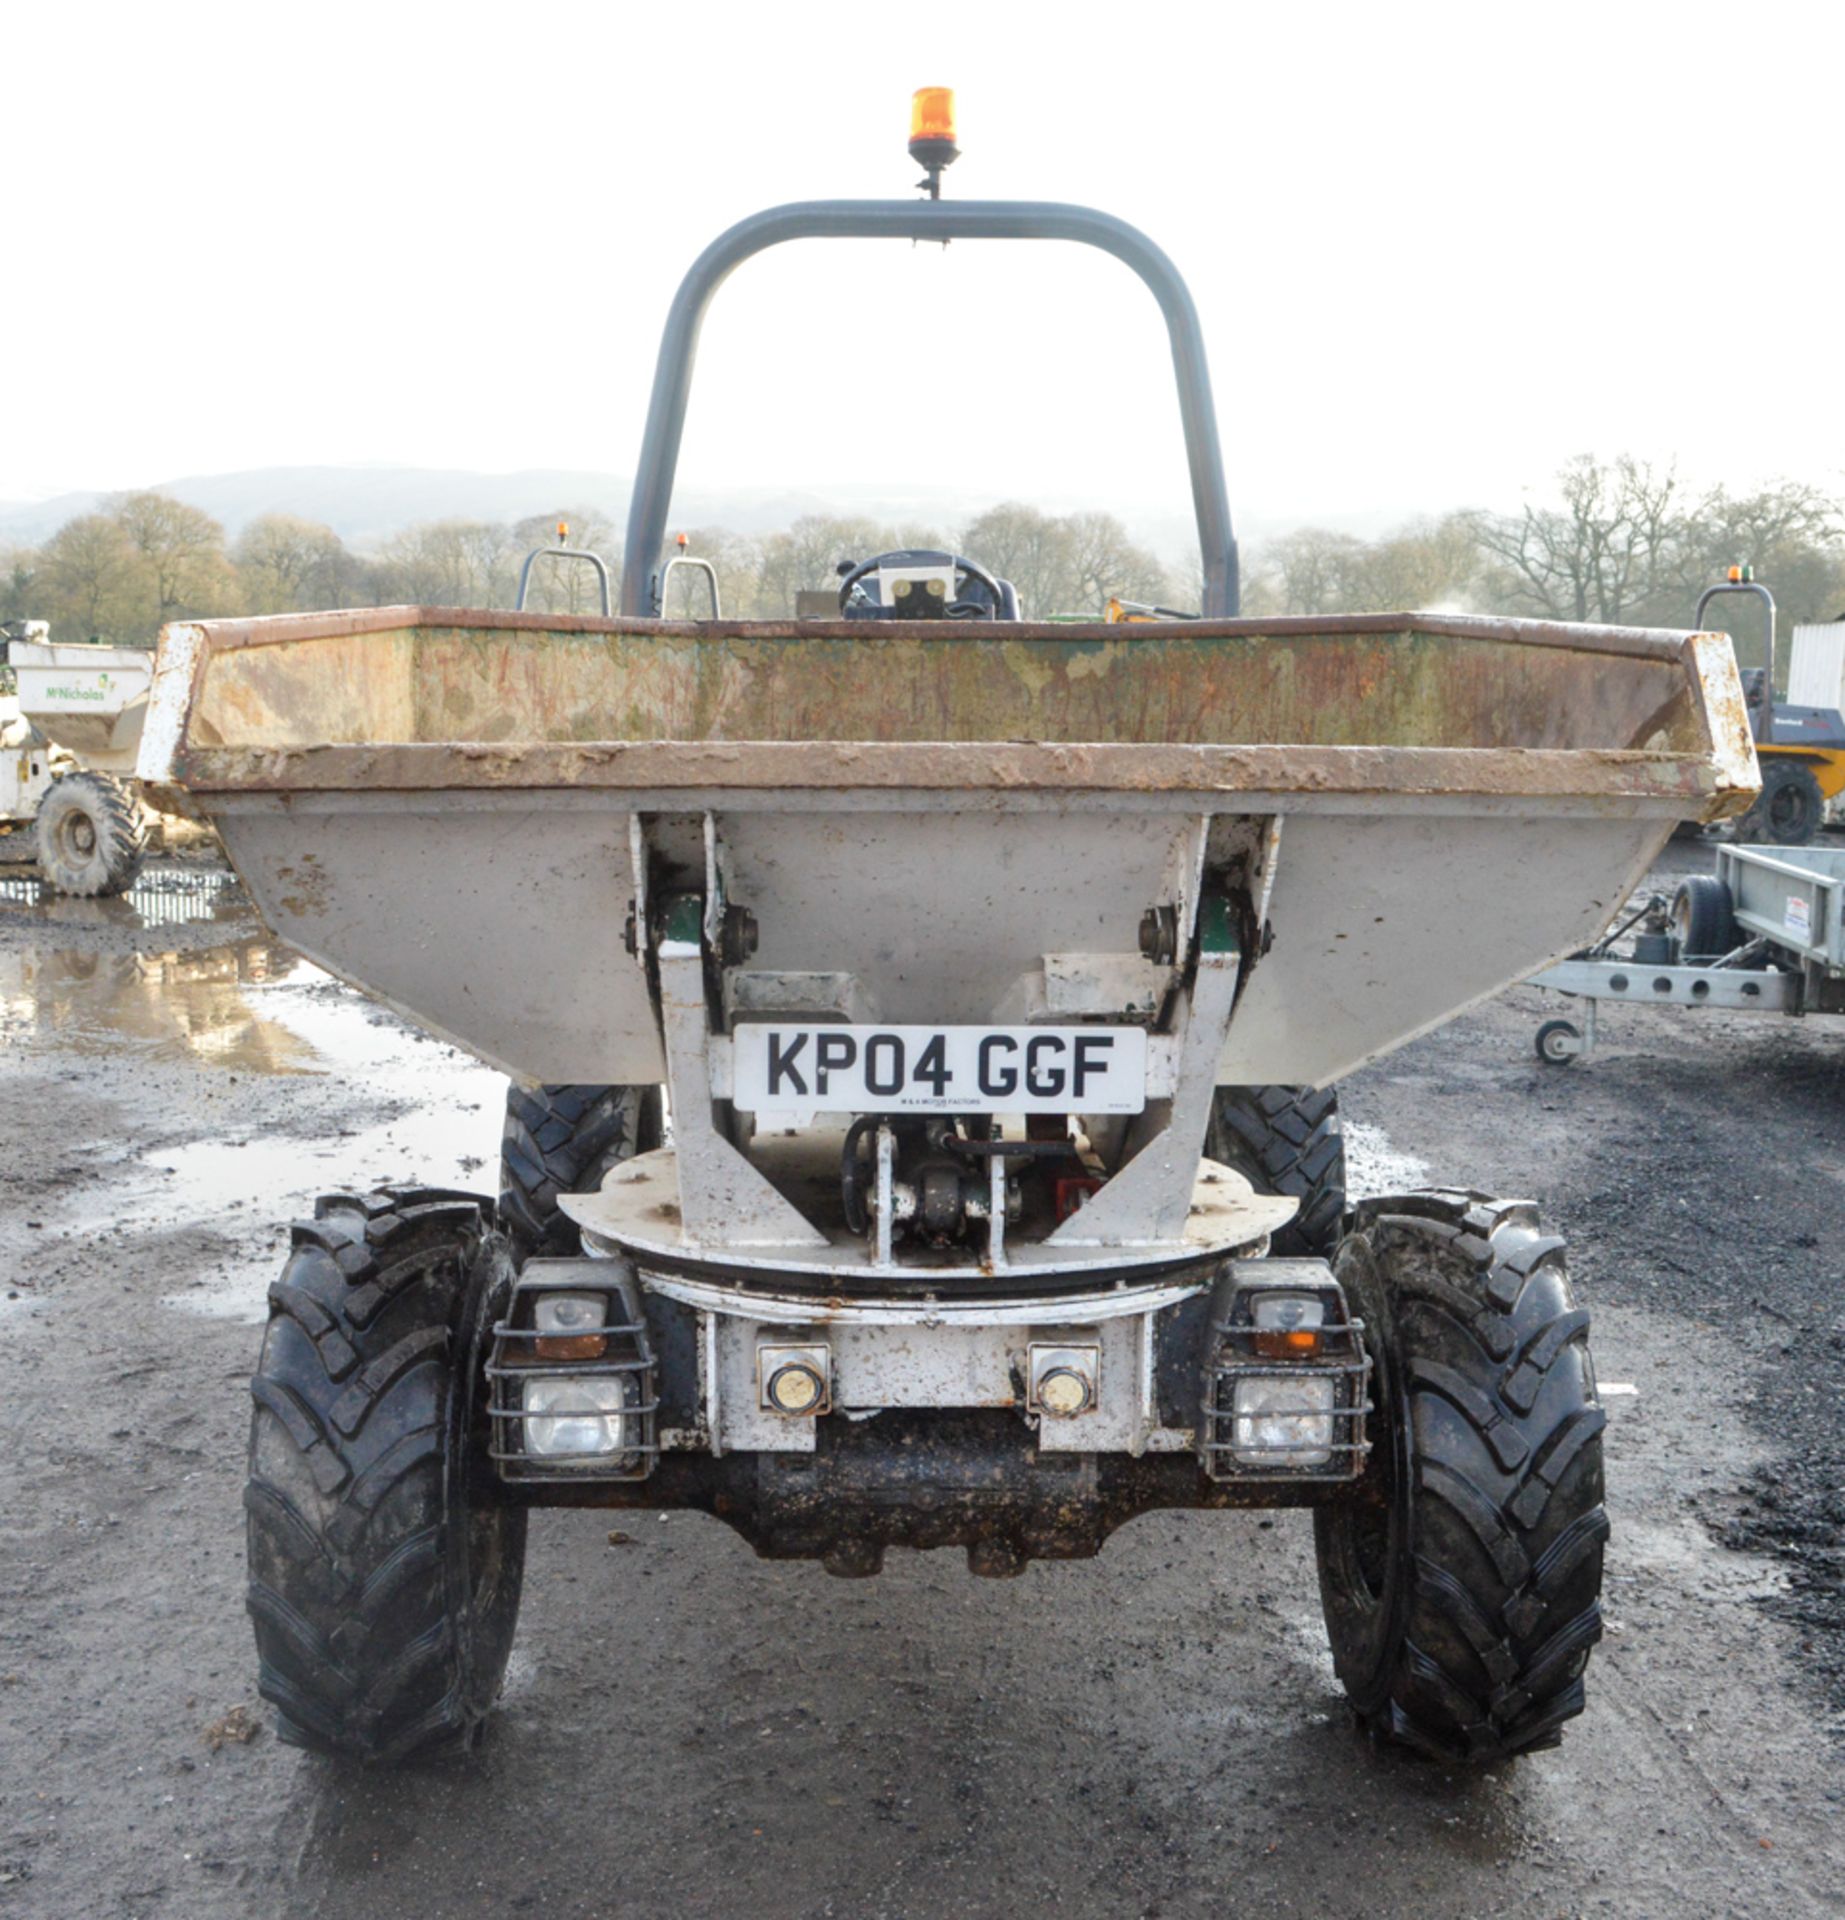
column 988, row 601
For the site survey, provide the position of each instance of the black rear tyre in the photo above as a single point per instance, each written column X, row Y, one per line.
column 1461, row 1577
column 1287, row 1140
column 1790, row 808
column 384, row 1573
column 1704, row 918
column 563, row 1140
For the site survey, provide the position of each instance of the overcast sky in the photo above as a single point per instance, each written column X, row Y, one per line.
column 1437, row 249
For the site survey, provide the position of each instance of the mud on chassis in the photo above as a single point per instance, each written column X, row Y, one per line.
column 927, row 1324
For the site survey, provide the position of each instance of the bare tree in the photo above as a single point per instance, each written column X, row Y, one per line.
column 1425, row 565
column 1611, row 551
column 94, row 581
column 1311, row 571
column 1107, row 565
column 182, row 553
column 1031, row 549
column 451, row 563
column 20, row 571
column 1794, row 537
column 288, row 565
column 808, row 556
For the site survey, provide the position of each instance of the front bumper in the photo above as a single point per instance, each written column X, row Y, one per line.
column 1025, row 1427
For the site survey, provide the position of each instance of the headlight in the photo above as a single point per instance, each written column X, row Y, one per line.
column 1283, row 1422
column 578, row 1416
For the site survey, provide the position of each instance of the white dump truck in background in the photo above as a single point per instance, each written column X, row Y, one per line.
column 68, row 740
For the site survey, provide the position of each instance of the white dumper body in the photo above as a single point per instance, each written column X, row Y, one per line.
column 68, row 745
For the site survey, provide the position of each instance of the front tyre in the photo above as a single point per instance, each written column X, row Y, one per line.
column 1461, row 1577
column 384, row 1573
column 91, row 835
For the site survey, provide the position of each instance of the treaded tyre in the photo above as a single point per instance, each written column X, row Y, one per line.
column 384, row 1575
column 1287, row 1140
column 563, row 1139
column 91, row 835
column 1461, row 1577
column 1789, row 809
column 1704, row 917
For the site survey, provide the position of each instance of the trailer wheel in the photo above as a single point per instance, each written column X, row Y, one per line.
column 91, row 835
column 1789, row 809
column 1461, row 1577
column 1704, row 917
column 563, row 1139
column 1558, row 1042
column 384, row 1574
column 1287, row 1140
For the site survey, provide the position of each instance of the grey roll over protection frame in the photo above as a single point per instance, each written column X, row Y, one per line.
column 596, row 561
column 923, row 220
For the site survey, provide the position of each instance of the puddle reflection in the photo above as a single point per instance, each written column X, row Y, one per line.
column 208, row 896
column 164, row 1005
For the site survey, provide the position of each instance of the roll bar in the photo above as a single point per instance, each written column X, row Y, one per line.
column 922, row 220
column 1764, row 716
column 563, row 553
column 696, row 565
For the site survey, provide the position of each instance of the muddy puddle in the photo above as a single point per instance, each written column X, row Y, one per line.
column 198, row 1004
column 146, row 1002
column 166, row 970
column 174, row 896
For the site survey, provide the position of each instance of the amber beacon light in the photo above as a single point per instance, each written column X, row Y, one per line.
column 932, row 134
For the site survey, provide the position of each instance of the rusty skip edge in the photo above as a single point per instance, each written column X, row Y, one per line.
column 1714, row 785
column 1655, row 643
column 1708, row 786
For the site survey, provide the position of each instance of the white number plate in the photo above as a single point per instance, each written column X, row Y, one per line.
column 835, row 1069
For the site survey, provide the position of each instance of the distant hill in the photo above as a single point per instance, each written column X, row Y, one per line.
column 362, row 504
column 365, row 505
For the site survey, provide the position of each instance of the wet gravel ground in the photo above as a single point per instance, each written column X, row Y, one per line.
column 688, row 1730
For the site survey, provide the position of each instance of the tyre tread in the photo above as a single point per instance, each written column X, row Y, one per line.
column 358, row 1649
column 1503, row 1604
column 563, row 1139
column 1287, row 1140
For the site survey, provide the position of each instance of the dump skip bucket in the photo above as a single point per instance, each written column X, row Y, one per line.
column 461, row 811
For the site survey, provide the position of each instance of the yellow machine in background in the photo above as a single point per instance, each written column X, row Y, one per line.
column 1801, row 749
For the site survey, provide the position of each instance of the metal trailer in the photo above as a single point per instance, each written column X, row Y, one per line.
column 1763, row 935
column 987, row 968
column 67, row 757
